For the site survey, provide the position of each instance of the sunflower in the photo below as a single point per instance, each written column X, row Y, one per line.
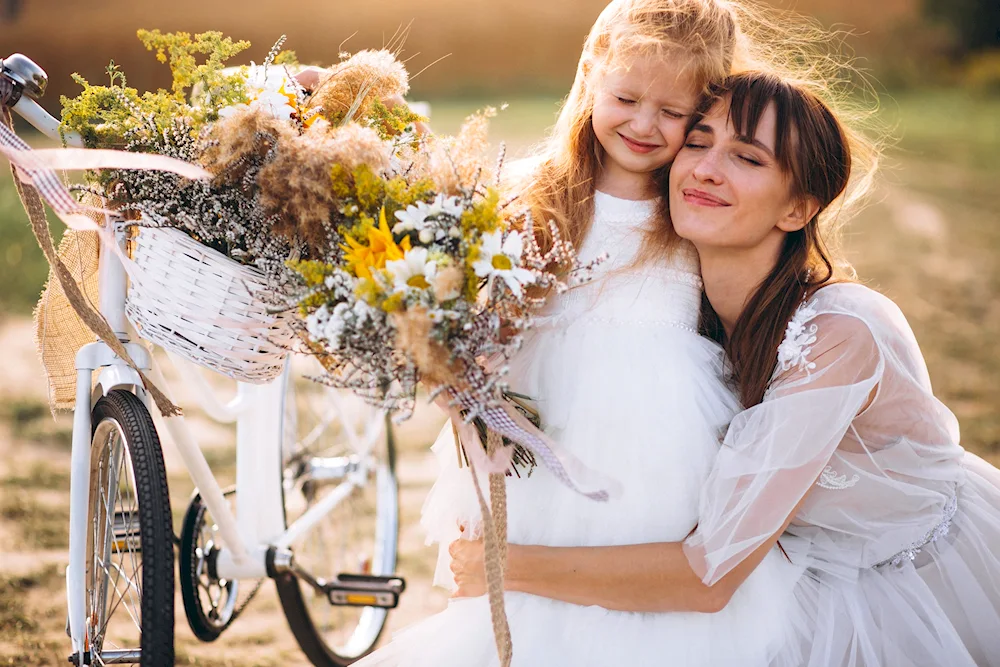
column 381, row 247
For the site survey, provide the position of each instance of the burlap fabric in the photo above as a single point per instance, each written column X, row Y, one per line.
column 59, row 330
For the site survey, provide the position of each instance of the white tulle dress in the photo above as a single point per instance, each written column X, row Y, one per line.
column 899, row 530
column 623, row 382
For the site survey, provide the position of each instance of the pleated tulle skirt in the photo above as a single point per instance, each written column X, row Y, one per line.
column 942, row 608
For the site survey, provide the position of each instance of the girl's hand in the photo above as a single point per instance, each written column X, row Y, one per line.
column 310, row 77
column 468, row 564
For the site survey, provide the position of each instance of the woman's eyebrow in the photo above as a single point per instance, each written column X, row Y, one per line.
column 756, row 143
column 702, row 127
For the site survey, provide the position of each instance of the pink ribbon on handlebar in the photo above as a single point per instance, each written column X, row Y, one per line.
column 37, row 167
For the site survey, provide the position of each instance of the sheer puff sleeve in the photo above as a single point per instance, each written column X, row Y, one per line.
column 828, row 367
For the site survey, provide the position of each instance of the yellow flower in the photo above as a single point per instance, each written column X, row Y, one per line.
column 381, row 247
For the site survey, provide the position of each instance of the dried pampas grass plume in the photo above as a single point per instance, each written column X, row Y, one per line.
column 448, row 283
column 455, row 163
column 296, row 187
column 413, row 338
column 241, row 140
column 356, row 83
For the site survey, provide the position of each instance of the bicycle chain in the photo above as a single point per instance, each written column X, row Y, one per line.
column 243, row 605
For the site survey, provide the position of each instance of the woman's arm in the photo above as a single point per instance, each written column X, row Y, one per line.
column 773, row 455
column 653, row 577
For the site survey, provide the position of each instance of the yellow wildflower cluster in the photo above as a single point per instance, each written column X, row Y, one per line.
column 372, row 252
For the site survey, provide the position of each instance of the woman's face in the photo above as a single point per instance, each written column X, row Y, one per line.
column 728, row 191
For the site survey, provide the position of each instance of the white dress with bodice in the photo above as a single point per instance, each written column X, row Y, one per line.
column 898, row 527
column 623, row 381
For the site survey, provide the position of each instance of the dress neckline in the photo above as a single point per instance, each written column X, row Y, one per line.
column 614, row 209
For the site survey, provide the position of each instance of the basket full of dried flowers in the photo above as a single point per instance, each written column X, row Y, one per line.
column 209, row 275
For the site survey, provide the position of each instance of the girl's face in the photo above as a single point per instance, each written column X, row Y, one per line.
column 640, row 114
column 728, row 191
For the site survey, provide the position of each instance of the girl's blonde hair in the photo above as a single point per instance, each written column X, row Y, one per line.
column 712, row 39
column 700, row 34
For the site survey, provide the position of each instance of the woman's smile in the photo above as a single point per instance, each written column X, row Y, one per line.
column 702, row 198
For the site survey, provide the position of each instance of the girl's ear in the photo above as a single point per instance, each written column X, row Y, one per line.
column 802, row 211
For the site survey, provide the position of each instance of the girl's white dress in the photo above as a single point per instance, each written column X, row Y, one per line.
column 899, row 530
column 623, row 382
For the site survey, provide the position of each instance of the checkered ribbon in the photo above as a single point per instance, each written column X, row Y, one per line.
column 37, row 167
column 568, row 470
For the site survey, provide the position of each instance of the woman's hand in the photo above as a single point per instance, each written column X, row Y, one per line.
column 468, row 564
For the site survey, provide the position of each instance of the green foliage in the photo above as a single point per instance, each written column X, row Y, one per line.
column 105, row 115
column 183, row 52
column 287, row 58
column 392, row 122
column 365, row 194
column 975, row 23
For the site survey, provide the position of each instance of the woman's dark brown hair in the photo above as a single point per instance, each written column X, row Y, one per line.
column 812, row 148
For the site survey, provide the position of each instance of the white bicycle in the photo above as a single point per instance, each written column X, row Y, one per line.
column 315, row 505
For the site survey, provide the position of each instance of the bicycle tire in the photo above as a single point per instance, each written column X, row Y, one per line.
column 292, row 593
column 121, row 416
column 207, row 627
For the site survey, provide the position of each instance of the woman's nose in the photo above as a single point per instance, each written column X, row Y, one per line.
column 707, row 169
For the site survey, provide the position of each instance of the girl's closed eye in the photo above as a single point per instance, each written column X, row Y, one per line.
column 670, row 113
column 625, row 100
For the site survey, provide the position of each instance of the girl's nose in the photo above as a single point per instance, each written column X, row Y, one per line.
column 643, row 123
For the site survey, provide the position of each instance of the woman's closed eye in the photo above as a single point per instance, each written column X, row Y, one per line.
column 751, row 160
column 694, row 144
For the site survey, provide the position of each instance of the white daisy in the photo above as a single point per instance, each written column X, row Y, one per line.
column 415, row 216
column 501, row 258
column 267, row 88
column 411, row 272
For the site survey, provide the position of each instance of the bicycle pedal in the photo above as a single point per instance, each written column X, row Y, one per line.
column 364, row 590
column 125, row 533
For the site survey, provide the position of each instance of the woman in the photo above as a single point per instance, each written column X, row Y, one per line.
column 843, row 456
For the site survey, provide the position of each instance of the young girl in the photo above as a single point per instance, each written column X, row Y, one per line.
column 621, row 379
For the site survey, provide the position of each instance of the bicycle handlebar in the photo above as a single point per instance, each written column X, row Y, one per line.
column 27, row 81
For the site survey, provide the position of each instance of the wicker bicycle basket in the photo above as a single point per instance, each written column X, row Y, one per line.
column 203, row 306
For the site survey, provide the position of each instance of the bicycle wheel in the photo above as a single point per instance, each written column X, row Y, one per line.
column 130, row 553
column 328, row 436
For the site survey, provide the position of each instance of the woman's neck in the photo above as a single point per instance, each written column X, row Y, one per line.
column 731, row 276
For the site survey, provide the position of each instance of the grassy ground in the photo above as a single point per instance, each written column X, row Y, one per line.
column 930, row 240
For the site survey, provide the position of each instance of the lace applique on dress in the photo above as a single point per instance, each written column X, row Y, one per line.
column 829, row 479
column 799, row 339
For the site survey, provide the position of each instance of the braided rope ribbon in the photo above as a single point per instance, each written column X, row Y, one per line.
column 506, row 421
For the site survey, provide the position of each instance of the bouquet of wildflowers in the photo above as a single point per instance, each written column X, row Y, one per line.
column 268, row 143
column 434, row 279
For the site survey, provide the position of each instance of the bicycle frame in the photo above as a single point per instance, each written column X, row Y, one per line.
column 258, row 525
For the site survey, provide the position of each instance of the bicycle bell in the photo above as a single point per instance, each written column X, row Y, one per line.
column 23, row 71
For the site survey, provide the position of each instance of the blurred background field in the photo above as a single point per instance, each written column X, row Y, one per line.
column 930, row 238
